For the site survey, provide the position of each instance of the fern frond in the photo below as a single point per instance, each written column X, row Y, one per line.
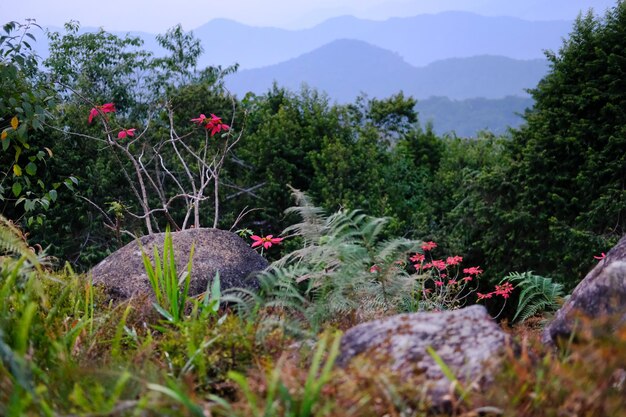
column 538, row 294
column 13, row 241
column 312, row 227
column 335, row 261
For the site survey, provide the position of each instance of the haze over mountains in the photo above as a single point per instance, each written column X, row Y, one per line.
column 457, row 55
column 346, row 68
column 420, row 40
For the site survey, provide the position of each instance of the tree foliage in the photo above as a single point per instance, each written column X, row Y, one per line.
column 26, row 101
column 563, row 198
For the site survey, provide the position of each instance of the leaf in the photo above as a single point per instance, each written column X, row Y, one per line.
column 29, row 205
column 53, row 195
column 44, row 203
column 17, row 170
column 49, row 151
column 215, row 292
column 445, row 369
column 15, row 122
column 176, row 394
column 31, row 169
column 3, row 135
column 164, row 312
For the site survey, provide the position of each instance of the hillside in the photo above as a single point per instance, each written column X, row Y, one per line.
column 467, row 117
column 346, row 68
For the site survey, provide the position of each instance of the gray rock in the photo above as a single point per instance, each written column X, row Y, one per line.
column 468, row 340
column 600, row 295
column 123, row 275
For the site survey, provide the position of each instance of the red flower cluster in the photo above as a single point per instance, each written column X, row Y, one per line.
column 105, row 108
column 439, row 264
column 454, row 260
column 474, row 270
column 124, row 133
column 266, row 241
column 443, row 273
column 214, row 123
column 503, row 291
column 429, row 245
column 417, row 258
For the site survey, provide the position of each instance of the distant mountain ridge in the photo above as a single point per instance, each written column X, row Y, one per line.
column 346, row 68
column 420, row 40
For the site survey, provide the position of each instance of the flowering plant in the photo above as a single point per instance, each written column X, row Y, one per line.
column 214, row 123
column 265, row 242
column 105, row 108
column 190, row 188
column 442, row 284
column 124, row 133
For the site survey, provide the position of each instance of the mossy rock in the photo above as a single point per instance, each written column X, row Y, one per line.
column 122, row 274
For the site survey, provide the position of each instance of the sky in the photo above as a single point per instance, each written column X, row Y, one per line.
column 156, row 16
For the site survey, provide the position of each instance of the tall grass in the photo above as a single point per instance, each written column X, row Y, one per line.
column 166, row 284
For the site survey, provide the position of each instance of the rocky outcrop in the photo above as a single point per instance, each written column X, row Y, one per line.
column 600, row 295
column 468, row 341
column 122, row 273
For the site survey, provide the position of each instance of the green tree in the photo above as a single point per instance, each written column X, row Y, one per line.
column 25, row 102
column 562, row 197
column 125, row 183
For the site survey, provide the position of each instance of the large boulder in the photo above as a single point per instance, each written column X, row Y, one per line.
column 600, row 295
column 468, row 341
column 123, row 275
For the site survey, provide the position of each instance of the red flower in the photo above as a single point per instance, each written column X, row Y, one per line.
column 504, row 290
column 452, row 282
column 429, row 245
column 214, row 123
column 439, row 283
column 126, row 133
column 454, row 260
column 467, row 279
column 199, row 120
column 105, row 108
column 266, row 241
column 418, row 257
column 475, row 270
column 601, row 257
column 439, row 264
column 374, row 269
column 483, row 296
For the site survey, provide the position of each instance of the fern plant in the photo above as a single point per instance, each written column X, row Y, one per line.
column 344, row 266
column 538, row 294
column 13, row 242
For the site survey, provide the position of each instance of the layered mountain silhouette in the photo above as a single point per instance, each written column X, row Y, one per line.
column 346, row 68
column 420, row 40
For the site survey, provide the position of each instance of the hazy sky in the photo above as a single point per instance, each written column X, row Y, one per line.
column 157, row 15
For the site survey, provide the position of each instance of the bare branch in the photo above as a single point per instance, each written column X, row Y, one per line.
column 241, row 215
